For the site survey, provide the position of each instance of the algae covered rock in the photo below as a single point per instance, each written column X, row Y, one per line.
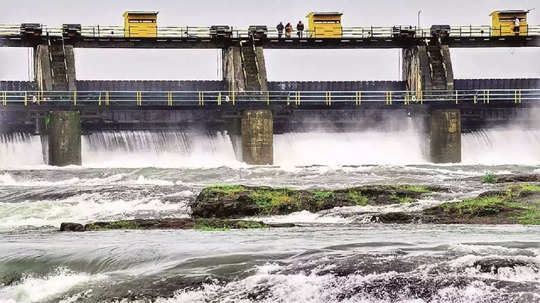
column 181, row 223
column 236, row 201
column 71, row 227
column 513, row 206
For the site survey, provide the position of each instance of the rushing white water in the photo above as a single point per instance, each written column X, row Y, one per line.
column 157, row 149
column 178, row 149
column 502, row 146
column 20, row 150
column 39, row 289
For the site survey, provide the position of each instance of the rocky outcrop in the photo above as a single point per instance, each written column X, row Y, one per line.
column 516, row 205
column 236, row 201
column 506, row 178
column 182, row 223
column 518, row 178
column 71, row 227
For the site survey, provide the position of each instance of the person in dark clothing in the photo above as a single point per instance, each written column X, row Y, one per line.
column 300, row 29
column 280, row 28
column 288, row 30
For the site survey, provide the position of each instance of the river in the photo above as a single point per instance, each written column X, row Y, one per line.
column 331, row 256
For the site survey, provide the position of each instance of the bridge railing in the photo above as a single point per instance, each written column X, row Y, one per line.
column 10, row 29
column 291, row 98
column 361, row 32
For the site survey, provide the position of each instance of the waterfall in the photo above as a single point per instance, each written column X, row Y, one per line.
column 200, row 150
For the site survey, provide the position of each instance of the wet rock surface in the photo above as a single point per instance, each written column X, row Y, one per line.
column 507, row 178
column 241, row 201
column 182, row 223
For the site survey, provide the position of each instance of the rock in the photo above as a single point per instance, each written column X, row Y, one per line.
column 518, row 178
column 492, row 193
column 71, row 227
column 397, row 217
column 237, row 201
column 487, row 208
column 281, row 225
column 507, row 178
column 182, row 223
column 493, row 265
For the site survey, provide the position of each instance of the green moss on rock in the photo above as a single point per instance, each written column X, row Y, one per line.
column 181, row 223
column 496, row 208
column 234, row 201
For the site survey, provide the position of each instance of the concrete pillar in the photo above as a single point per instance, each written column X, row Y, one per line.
column 257, row 137
column 235, row 135
column 54, row 67
column 445, row 136
column 244, row 68
column 54, row 70
column 428, row 67
column 64, row 138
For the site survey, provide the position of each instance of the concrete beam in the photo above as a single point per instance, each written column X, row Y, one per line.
column 64, row 138
column 445, row 136
column 244, row 68
column 257, row 137
column 54, row 67
column 428, row 67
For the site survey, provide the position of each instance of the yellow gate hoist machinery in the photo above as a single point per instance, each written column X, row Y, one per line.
column 140, row 24
column 509, row 23
column 324, row 25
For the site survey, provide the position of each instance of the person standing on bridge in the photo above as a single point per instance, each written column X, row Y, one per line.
column 280, row 28
column 300, row 29
column 288, row 30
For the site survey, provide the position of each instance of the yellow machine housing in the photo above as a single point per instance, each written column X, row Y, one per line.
column 140, row 24
column 503, row 23
column 324, row 25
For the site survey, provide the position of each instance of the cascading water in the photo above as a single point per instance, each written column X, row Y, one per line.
column 186, row 149
column 20, row 150
column 157, row 149
column 502, row 146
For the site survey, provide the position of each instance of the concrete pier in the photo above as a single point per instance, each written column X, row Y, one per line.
column 244, row 68
column 54, row 67
column 445, row 136
column 257, row 137
column 64, row 138
column 428, row 67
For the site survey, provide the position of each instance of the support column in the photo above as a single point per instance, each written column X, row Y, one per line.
column 64, row 138
column 257, row 137
column 244, row 68
column 54, row 70
column 428, row 67
column 54, row 67
column 445, row 136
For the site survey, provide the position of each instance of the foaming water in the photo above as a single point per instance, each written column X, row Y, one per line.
column 350, row 148
column 84, row 208
column 176, row 149
column 157, row 149
column 502, row 146
column 39, row 289
column 19, row 150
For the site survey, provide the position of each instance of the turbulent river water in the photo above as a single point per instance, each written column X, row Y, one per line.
column 331, row 256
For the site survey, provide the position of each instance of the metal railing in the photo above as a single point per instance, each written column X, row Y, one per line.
column 361, row 32
column 290, row 98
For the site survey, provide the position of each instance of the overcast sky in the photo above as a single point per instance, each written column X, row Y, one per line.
column 281, row 64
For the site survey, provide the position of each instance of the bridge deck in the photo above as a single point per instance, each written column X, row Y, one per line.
column 200, row 37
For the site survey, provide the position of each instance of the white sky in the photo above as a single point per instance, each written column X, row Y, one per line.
column 281, row 64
